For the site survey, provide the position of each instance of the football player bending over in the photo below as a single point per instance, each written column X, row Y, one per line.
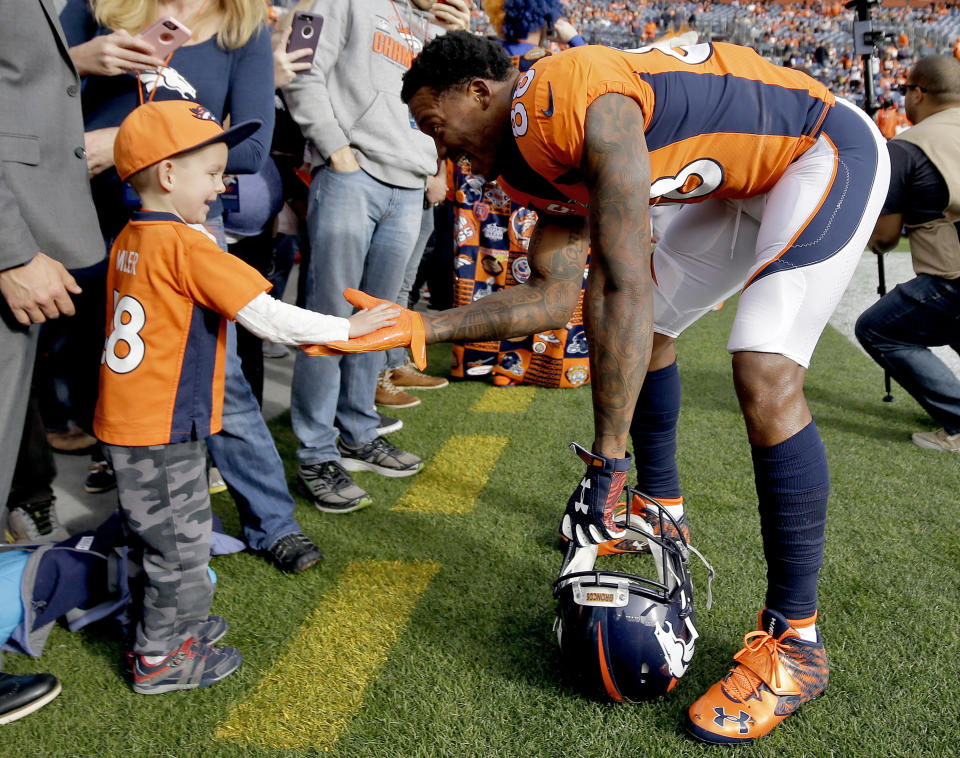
column 778, row 200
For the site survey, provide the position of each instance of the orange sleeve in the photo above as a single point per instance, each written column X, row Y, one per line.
column 548, row 119
column 218, row 280
column 550, row 106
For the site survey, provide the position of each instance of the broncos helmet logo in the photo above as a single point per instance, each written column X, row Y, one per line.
column 168, row 78
column 677, row 653
column 511, row 362
column 472, row 189
column 482, row 289
column 578, row 345
column 522, row 222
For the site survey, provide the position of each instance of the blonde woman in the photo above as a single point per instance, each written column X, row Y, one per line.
column 228, row 67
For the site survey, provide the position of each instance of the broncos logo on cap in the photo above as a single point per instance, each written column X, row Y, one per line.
column 168, row 78
column 203, row 114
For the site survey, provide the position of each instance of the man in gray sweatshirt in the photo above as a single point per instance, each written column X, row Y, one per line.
column 371, row 168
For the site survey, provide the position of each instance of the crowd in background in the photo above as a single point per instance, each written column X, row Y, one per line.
column 817, row 37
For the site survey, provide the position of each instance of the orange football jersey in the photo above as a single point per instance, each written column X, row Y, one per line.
column 719, row 121
column 169, row 287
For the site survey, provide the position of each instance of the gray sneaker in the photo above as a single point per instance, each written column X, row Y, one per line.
column 388, row 424
column 938, row 440
column 36, row 522
column 330, row 488
column 294, row 553
column 379, row 456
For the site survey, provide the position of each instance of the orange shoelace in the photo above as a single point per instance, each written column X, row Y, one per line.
column 742, row 681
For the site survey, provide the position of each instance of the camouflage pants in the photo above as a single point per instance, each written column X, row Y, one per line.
column 165, row 502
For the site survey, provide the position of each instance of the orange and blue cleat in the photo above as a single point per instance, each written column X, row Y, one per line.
column 775, row 673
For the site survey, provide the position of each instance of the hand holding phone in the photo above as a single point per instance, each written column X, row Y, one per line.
column 305, row 33
column 166, row 35
column 452, row 15
column 286, row 65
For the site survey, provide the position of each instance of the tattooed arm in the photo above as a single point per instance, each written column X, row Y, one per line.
column 618, row 307
column 557, row 255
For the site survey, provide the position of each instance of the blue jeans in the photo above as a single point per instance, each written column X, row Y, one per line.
column 245, row 454
column 284, row 253
column 898, row 330
column 362, row 233
column 397, row 356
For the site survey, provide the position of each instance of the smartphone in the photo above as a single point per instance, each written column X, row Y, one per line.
column 305, row 32
column 166, row 35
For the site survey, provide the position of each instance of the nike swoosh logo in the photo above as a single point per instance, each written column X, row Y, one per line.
column 549, row 111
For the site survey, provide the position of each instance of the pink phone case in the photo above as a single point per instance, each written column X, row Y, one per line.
column 166, row 35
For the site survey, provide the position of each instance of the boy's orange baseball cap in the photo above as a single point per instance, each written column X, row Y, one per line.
column 165, row 128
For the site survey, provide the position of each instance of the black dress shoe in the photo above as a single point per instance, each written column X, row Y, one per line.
column 294, row 553
column 20, row 695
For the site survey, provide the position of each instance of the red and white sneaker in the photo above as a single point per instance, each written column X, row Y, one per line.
column 189, row 667
column 776, row 673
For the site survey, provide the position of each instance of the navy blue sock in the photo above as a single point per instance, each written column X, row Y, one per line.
column 793, row 483
column 654, row 433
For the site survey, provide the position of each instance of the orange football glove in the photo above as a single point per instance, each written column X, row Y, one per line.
column 407, row 332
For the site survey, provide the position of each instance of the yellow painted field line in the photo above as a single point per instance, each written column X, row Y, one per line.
column 504, row 399
column 309, row 696
column 456, row 475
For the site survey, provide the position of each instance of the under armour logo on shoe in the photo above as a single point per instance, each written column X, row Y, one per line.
column 743, row 718
column 581, row 506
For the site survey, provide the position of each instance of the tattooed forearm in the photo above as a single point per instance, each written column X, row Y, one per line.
column 618, row 310
column 557, row 256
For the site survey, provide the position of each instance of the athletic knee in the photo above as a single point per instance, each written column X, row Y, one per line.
column 663, row 353
column 770, row 391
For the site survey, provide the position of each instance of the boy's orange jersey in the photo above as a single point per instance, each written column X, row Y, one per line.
column 719, row 121
column 169, row 287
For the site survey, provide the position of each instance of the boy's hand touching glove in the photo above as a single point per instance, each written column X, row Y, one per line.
column 588, row 519
column 406, row 332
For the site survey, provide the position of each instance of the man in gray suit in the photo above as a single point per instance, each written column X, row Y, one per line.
column 47, row 225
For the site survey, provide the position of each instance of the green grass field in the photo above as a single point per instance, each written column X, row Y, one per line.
column 427, row 629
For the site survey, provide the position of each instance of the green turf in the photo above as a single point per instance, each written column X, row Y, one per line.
column 475, row 672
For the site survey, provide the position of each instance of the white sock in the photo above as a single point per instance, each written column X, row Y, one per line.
column 153, row 660
column 675, row 511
